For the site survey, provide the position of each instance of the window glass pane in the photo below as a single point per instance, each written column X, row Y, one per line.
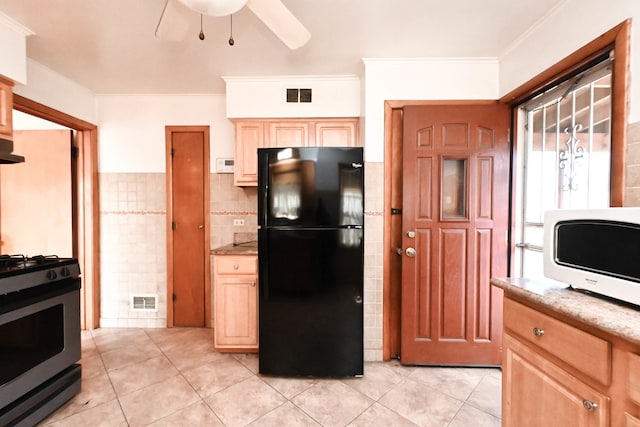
column 533, row 235
column 566, row 162
column 454, row 181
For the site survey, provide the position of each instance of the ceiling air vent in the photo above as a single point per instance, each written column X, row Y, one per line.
column 144, row 302
column 292, row 95
column 298, row 95
column 305, row 95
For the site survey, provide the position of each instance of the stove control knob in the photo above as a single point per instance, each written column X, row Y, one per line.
column 51, row 275
column 64, row 272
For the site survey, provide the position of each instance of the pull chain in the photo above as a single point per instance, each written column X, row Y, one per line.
column 201, row 35
column 231, row 41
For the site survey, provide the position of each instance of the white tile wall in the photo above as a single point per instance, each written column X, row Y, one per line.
column 133, row 244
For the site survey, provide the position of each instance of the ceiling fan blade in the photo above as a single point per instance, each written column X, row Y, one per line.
column 281, row 21
column 173, row 24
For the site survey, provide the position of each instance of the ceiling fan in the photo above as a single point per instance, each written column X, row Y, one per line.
column 175, row 18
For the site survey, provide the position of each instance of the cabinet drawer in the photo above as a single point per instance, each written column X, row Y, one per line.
column 585, row 352
column 236, row 264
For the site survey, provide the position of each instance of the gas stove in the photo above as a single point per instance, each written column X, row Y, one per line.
column 39, row 336
column 19, row 272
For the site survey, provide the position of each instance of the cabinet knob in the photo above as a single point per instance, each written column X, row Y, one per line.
column 236, row 266
column 589, row 405
column 538, row 332
column 253, row 283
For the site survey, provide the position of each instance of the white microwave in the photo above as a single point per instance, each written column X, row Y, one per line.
column 597, row 250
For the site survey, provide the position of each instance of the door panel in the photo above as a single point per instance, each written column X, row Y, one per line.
column 455, row 216
column 188, row 214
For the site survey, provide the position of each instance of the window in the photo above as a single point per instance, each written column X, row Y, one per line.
column 565, row 157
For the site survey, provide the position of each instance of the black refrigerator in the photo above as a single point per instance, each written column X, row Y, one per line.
column 310, row 257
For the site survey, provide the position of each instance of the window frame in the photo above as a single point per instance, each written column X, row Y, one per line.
column 616, row 39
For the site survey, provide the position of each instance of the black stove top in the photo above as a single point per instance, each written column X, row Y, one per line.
column 18, row 272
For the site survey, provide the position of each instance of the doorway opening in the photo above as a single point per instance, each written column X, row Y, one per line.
column 86, row 233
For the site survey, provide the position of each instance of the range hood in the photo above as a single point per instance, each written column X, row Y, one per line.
column 6, row 153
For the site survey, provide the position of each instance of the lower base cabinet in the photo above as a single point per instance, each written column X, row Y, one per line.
column 538, row 393
column 235, row 303
column 557, row 371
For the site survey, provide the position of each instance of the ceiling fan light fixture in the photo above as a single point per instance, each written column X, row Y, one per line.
column 215, row 7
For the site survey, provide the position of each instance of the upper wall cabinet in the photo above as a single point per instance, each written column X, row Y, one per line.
column 252, row 134
column 6, row 110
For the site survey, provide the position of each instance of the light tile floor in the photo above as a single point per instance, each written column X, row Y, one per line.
column 174, row 377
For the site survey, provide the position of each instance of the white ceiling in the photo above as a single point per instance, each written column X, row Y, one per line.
column 109, row 46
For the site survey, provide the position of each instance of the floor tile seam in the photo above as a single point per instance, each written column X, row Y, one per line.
column 118, row 396
column 142, row 388
column 267, row 413
column 205, row 396
column 393, row 387
column 304, row 412
column 183, row 408
column 135, row 362
column 258, row 375
column 219, row 417
column 371, row 403
column 453, row 417
column 392, row 410
column 483, row 410
column 476, row 406
column 446, row 393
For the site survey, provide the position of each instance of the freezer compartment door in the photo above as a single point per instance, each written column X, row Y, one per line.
column 310, row 187
column 311, row 302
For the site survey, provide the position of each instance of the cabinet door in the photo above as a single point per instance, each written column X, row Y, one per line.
column 537, row 393
column 249, row 137
column 236, row 312
column 289, row 134
column 338, row 133
column 6, row 110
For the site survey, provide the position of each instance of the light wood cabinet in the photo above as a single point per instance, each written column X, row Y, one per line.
column 558, row 370
column 251, row 134
column 538, row 393
column 288, row 134
column 249, row 137
column 336, row 133
column 236, row 303
column 6, row 110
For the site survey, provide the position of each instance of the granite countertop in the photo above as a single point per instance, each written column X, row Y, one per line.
column 614, row 318
column 245, row 248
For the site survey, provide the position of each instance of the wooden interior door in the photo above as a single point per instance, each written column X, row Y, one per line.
column 36, row 204
column 189, row 226
column 454, row 216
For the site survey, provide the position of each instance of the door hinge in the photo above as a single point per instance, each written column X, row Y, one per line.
column 173, row 297
column 174, row 225
column 173, row 152
column 508, row 134
column 75, row 152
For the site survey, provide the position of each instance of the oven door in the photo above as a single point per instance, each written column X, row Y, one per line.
column 39, row 336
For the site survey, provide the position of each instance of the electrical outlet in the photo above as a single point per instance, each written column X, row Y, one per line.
column 238, row 222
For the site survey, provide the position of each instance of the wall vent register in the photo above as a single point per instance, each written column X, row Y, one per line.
column 298, row 95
